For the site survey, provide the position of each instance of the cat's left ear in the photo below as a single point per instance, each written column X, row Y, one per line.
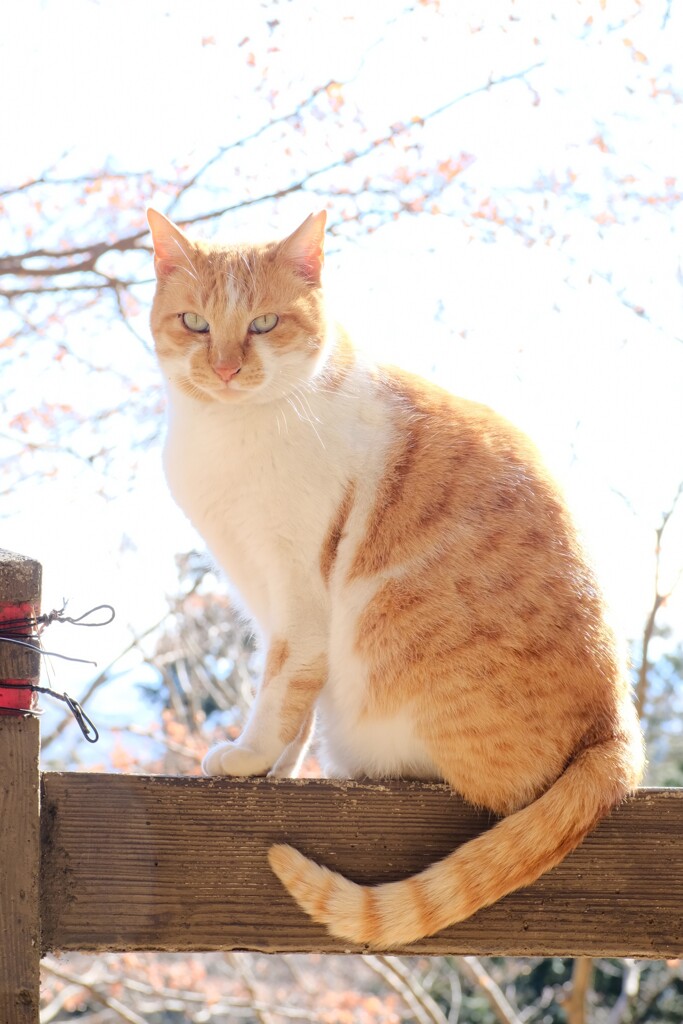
column 304, row 248
column 171, row 246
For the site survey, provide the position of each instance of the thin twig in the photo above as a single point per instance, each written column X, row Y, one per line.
column 659, row 599
column 240, row 963
column 100, row 680
column 456, row 997
column 404, row 982
column 630, row 984
column 123, row 1012
column 473, row 969
column 50, row 1011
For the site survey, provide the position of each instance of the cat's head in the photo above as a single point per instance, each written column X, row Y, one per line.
column 238, row 323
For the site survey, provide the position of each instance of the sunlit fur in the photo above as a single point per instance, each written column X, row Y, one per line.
column 415, row 575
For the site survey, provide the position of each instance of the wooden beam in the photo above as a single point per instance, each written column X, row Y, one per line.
column 135, row 862
column 19, row 801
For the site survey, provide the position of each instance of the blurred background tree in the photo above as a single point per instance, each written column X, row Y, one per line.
column 503, row 186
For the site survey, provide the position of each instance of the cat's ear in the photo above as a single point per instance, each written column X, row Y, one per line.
column 304, row 248
column 171, row 246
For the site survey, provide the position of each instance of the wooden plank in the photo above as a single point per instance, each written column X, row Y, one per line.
column 19, row 870
column 20, row 580
column 135, row 862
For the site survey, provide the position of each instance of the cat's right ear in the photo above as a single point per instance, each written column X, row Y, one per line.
column 171, row 247
column 304, row 249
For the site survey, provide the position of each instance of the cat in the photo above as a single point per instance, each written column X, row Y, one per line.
column 413, row 570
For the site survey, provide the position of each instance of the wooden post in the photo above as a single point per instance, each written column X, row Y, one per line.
column 20, row 580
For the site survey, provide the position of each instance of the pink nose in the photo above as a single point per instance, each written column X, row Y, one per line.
column 226, row 371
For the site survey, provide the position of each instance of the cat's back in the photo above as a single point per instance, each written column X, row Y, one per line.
column 456, row 471
column 468, row 525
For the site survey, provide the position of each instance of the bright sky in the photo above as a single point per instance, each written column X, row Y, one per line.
column 545, row 333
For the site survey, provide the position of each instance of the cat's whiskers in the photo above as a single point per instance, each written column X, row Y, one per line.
column 301, row 394
column 291, row 403
column 328, row 391
column 189, row 386
column 302, row 414
column 321, row 386
column 299, row 410
column 280, row 411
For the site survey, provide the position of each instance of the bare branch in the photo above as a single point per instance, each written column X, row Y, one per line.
column 83, row 259
column 574, row 1003
column 99, row 680
column 395, row 973
column 630, row 985
column 122, row 1012
column 283, row 119
column 473, row 969
column 241, row 965
column 49, row 1012
column 659, row 599
column 179, row 999
column 117, row 287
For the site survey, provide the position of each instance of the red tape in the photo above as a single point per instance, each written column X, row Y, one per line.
column 15, row 701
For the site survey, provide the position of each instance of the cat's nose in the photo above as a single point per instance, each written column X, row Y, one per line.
column 227, row 370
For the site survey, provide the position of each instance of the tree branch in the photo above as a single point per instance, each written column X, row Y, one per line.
column 240, row 963
column 100, row 680
column 15, row 264
column 123, row 1012
column 574, row 1003
column 630, row 985
column 659, row 599
column 473, row 969
column 404, row 982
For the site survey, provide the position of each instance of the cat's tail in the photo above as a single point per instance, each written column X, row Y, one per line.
column 512, row 854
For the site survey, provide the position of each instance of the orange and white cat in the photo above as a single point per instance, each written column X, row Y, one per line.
column 413, row 571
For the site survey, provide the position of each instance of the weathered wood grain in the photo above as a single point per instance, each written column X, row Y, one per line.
column 19, row 870
column 134, row 862
column 20, row 581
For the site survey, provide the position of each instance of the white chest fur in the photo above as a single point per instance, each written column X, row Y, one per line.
column 262, row 483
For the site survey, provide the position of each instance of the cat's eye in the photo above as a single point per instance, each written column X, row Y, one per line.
column 195, row 322
column 263, row 324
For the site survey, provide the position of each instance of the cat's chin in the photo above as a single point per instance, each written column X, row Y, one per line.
column 222, row 396
column 252, row 396
column 262, row 394
column 228, row 396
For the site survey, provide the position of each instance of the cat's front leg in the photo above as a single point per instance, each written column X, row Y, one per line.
column 293, row 679
column 288, row 764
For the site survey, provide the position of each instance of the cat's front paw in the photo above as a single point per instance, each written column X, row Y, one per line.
column 232, row 759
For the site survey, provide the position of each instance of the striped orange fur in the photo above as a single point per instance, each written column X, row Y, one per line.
column 415, row 574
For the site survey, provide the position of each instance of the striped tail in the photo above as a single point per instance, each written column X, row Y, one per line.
column 514, row 853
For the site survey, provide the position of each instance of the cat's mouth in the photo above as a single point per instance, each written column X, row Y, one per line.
column 232, row 390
